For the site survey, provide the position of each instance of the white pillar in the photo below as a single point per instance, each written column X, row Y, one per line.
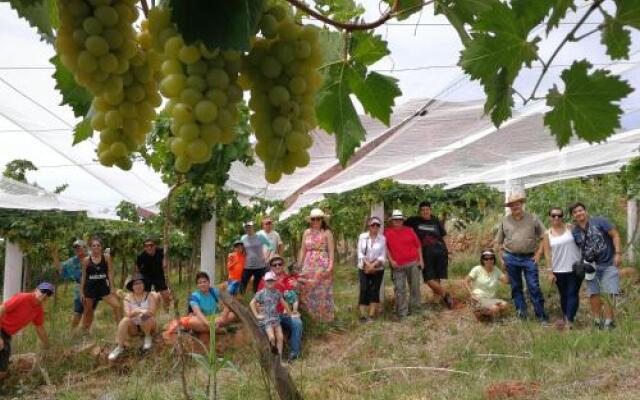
column 632, row 223
column 12, row 270
column 208, row 248
column 377, row 210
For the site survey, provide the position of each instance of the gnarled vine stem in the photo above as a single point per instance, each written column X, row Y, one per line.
column 347, row 26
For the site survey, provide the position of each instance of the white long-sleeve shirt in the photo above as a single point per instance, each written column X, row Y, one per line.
column 371, row 250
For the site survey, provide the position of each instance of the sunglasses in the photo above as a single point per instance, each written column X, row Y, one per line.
column 316, row 219
column 47, row 292
column 487, row 258
column 277, row 264
column 96, row 245
column 556, row 215
column 268, row 223
column 375, row 224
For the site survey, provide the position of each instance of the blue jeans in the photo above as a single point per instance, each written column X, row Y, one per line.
column 292, row 327
column 569, row 288
column 516, row 266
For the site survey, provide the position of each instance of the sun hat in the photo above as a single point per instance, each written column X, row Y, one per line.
column 237, row 241
column 397, row 214
column 276, row 257
column 316, row 213
column 79, row 243
column 515, row 197
column 46, row 286
column 133, row 279
column 270, row 276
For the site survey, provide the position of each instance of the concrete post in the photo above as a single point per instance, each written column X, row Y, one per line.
column 12, row 270
column 208, row 248
column 632, row 223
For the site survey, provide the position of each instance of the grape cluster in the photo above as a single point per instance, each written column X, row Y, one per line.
column 201, row 87
column 281, row 70
column 98, row 43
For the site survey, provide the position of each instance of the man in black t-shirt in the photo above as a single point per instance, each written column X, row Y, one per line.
column 435, row 254
column 152, row 265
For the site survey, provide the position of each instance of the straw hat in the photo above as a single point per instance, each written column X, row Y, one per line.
column 276, row 257
column 515, row 197
column 397, row 214
column 316, row 213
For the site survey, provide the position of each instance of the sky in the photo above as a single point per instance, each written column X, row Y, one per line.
column 424, row 53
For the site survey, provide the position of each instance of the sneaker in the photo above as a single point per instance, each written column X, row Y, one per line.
column 115, row 353
column 598, row 324
column 544, row 323
column 448, row 301
column 363, row 320
column 609, row 325
column 292, row 358
column 148, row 343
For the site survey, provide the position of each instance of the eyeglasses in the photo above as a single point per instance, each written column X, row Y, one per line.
column 487, row 258
column 268, row 223
column 48, row 292
column 375, row 224
column 316, row 219
column 556, row 215
column 96, row 245
column 277, row 264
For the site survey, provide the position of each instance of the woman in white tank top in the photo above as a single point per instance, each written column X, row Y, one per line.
column 561, row 252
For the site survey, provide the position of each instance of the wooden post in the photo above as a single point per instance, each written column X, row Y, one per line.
column 12, row 269
column 632, row 226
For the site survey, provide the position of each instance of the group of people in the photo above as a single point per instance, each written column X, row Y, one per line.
column 414, row 247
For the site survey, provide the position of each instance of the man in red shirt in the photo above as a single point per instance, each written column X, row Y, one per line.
column 291, row 324
column 405, row 256
column 18, row 312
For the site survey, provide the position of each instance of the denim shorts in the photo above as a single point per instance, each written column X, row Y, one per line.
column 607, row 280
column 233, row 287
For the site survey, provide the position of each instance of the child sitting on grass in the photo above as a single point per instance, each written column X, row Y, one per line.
column 268, row 318
column 235, row 266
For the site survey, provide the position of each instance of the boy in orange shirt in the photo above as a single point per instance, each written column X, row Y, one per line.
column 235, row 266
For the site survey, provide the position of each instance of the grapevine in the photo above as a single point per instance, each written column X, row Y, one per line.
column 200, row 84
column 281, row 72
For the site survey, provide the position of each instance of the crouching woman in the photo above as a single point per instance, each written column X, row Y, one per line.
column 482, row 282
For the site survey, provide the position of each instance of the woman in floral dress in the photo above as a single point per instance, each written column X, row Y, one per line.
column 316, row 258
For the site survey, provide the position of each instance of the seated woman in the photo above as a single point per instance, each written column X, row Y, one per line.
column 482, row 282
column 139, row 310
column 204, row 307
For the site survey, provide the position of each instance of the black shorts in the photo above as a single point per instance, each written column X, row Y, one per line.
column 5, row 353
column 436, row 265
column 157, row 283
column 96, row 291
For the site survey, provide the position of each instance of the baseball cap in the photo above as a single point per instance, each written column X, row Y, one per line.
column 46, row 286
column 79, row 243
column 269, row 276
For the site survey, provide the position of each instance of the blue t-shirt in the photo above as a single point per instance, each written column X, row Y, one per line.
column 599, row 245
column 206, row 302
column 72, row 270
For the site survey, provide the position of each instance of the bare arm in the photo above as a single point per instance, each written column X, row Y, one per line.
column 467, row 284
column 42, row 335
column 199, row 315
column 110, row 273
column 331, row 248
column 285, row 306
column 615, row 236
column 303, row 250
column 252, row 305
column 154, row 299
column 83, row 277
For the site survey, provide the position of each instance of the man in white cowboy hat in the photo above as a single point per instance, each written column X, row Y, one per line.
column 405, row 257
column 518, row 238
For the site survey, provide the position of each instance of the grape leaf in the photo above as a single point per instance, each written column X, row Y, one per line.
column 587, row 108
column 40, row 14
column 405, row 8
column 218, row 23
column 615, row 38
column 335, row 111
column 376, row 92
column 331, row 44
column 496, row 53
column 461, row 12
column 367, row 48
column 82, row 131
column 558, row 12
column 628, row 12
column 73, row 94
column 531, row 13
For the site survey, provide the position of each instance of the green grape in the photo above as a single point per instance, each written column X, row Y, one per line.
column 218, row 97
column 281, row 125
column 92, row 26
column 269, row 26
column 285, row 52
column 87, row 62
column 173, row 46
column 107, row 15
column 182, row 113
column 278, row 95
column 197, row 150
column 113, row 119
column 114, row 38
column 189, row 54
column 129, row 127
column 302, row 49
column 190, row 96
column 234, row 93
column 271, row 68
column 273, row 175
column 97, row 121
column 182, row 165
column 178, row 146
column 118, row 149
column 79, row 37
column 172, row 85
column 135, row 93
column 106, row 158
column 197, row 83
column 198, row 68
column 189, row 131
column 217, row 78
column 210, row 133
column 206, row 111
column 171, row 66
column 124, row 163
column 108, row 63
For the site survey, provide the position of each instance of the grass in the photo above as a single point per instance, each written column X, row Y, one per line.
column 350, row 360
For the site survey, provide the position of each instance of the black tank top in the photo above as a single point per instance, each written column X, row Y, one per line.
column 97, row 272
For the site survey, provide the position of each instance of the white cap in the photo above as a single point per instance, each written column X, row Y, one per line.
column 397, row 214
column 248, row 223
column 270, row 276
column 79, row 243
